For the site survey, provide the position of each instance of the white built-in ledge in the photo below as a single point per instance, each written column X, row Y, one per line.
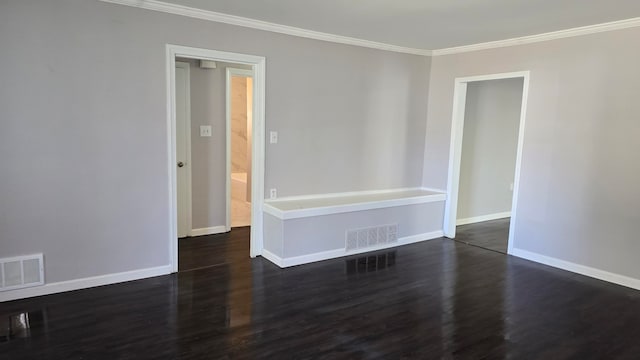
column 317, row 205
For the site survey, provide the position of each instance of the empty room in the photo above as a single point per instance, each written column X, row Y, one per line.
column 188, row 179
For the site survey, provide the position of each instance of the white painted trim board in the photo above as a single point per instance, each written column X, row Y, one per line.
column 208, row 230
column 489, row 217
column 187, row 138
column 263, row 25
column 271, row 207
column 455, row 149
column 548, row 36
column 344, row 208
column 337, row 253
column 348, row 193
column 577, row 268
column 196, row 13
column 85, row 283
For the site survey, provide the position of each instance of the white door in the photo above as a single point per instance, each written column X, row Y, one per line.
column 183, row 148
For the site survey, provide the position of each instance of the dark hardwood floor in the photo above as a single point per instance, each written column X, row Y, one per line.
column 490, row 235
column 439, row 299
column 212, row 250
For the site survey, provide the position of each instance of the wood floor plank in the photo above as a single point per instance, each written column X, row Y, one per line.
column 491, row 235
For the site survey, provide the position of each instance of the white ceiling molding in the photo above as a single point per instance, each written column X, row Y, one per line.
column 170, row 8
column 579, row 31
column 262, row 25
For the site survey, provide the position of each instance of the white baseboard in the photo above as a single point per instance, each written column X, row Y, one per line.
column 336, row 253
column 477, row 219
column 577, row 268
column 310, row 258
column 420, row 237
column 272, row 257
column 84, row 283
column 208, row 231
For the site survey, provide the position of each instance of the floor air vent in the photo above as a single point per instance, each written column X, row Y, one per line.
column 372, row 236
column 21, row 272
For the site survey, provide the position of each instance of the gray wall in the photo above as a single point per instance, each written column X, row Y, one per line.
column 304, row 236
column 83, row 111
column 490, row 142
column 579, row 197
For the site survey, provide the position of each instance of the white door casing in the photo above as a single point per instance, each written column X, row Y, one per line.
column 455, row 150
column 258, row 64
column 183, row 147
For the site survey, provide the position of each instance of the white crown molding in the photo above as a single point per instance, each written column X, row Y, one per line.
column 579, row 31
column 169, row 8
column 262, row 25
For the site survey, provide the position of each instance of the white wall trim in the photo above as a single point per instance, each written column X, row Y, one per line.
column 420, row 237
column 257, row 152
column 263, row 25
column 337, row 253
column 489, row 217
column 229, row 73
column 277, row 260
column 271, row 207
column 85, row 283
column 346, row 194
column 577, row 268
column 187, row 139
column 208, row 231
column 554, row 35
column 455, row 149
column 196, row 13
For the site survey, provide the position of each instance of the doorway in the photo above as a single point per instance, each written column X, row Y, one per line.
column 486, row 147
column 190, row 131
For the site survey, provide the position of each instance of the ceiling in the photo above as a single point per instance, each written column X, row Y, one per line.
column 427, row 24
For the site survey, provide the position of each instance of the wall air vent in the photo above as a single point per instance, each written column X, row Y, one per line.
column 357, row 239
column 21, row 272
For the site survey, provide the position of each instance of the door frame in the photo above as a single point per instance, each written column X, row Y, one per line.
column 455, row 149
column 258, row 64
column 187, row 67
column 229, row 73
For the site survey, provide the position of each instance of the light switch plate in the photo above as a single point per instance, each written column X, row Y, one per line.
column 273, row 137
column 205, row 130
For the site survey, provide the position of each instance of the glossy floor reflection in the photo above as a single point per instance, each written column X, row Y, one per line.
column 490, row 235
column 212, row 250
column 438, row 299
